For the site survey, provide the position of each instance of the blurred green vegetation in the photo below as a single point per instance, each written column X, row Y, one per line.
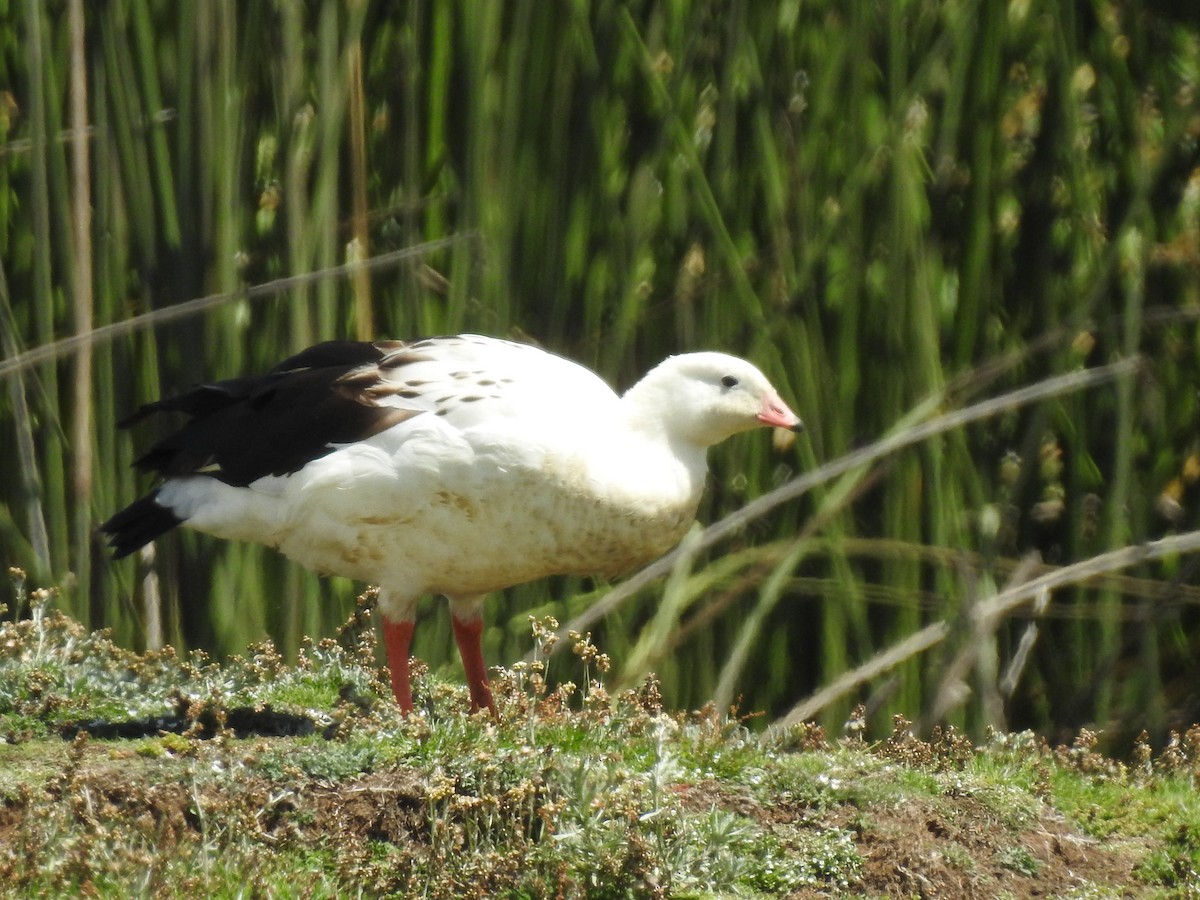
column 894, row 209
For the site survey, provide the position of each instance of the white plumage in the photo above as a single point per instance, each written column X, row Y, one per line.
column 453, row 466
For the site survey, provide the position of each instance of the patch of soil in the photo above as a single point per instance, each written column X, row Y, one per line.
column 386, row 806
column 950, row 847
column 962, row 850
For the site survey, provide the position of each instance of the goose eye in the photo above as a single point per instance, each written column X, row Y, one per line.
column 729, row 381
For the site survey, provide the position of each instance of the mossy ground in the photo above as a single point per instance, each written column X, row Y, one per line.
column 573, row 793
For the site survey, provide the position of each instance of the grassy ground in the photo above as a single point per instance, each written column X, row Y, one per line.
column 125, row 774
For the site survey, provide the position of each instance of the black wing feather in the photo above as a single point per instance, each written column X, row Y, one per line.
column 242, row 429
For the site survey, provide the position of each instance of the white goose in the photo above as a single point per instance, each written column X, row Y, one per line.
column 450, row 465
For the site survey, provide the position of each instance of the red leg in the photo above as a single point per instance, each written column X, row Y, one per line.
column 468, row 635
column 397, row 638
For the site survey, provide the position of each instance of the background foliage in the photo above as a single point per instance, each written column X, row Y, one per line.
column 894, row 208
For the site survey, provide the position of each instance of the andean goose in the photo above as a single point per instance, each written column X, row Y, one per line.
column 450, row 465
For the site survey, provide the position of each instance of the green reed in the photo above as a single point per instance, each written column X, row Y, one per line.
column 879, row 204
